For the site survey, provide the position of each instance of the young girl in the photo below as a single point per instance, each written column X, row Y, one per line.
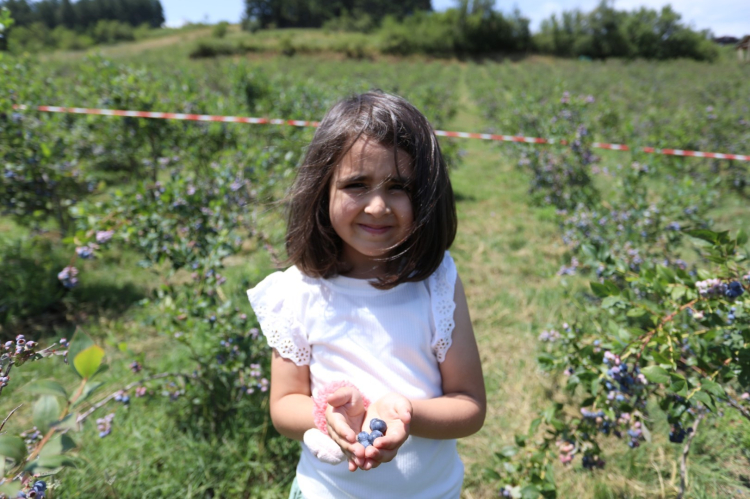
column 371, row 320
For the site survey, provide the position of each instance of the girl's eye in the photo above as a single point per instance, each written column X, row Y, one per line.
column 399, row 187
column 354, row 185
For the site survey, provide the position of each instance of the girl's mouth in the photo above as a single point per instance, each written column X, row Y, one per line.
column 375, row 229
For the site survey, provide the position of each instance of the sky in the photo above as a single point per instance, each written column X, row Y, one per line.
column 723, row 17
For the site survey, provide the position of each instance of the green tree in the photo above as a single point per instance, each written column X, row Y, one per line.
column 68, row 16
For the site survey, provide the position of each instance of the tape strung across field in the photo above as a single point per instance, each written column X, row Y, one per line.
column 300, row 123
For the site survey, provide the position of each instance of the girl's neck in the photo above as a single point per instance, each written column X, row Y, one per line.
column 369, row 273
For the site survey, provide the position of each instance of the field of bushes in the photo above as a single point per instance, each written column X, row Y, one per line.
column 139, row 237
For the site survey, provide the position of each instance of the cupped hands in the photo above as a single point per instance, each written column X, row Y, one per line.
column 346, row 417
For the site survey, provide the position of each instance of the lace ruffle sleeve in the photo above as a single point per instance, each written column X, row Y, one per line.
column 273, row 303
column 442, row 284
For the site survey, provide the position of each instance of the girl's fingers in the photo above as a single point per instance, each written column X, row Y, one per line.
column 346, row 396
column 383, row 455
column 339, row 397
column 341, row 428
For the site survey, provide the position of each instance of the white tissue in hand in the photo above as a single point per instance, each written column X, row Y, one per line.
column 323, row 447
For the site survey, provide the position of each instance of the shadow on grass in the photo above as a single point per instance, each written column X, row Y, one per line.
column 60, row 316
column 461, row 197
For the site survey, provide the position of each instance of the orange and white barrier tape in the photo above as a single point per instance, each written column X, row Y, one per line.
column 302, row 123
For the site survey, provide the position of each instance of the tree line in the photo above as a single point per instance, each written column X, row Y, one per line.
column 608, row 32
column 315, row 13
column 84, row 14
column 476, row 27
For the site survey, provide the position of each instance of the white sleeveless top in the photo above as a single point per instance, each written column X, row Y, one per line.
column 382, row 341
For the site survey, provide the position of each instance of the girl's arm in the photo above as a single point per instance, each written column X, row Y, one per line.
column 291, row 402
column 461, row 410
column 292, row 408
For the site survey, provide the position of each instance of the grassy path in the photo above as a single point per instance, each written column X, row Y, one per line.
column 506, row 255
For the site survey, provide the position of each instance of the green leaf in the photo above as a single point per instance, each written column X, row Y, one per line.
column 69, row 422
column 80, row 342
column 492, row 474
column 646, row 433
column 533, row 427
column 10, row 488
column 611, row 288
column 599, row 290
column 678, row 292
column 660, row 358
column 58, row 444
column 705, row 398
column 87, row 362
column 741, row 237
column 743, row 356
column 530, row 492
column 666, row 273
column 47, row 387
column 509, row 451
column 12, row 447
column 679, row 385
column 51, row 463
column 611, row 301
column 636, row 312
column 703, row 234
column 712, row 387
column 46, row 412
column 655, row 374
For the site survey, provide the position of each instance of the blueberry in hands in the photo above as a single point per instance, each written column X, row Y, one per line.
column 375, row 434
column 378, row 425
column 364, row 439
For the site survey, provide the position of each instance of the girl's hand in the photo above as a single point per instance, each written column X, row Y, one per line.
column 396, row 410
column 346, row 411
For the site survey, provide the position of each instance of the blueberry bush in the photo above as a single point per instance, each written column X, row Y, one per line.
column 663, row 325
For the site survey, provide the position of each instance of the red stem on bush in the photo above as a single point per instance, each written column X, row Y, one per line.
column 651, row 333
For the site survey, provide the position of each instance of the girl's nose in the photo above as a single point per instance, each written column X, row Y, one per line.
column 377, row 205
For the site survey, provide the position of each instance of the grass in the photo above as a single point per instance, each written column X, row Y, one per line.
column 507, row 253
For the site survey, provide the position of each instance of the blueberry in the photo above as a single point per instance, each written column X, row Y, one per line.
column 378, row 424
column 364, row 439
column 40, row 485
column 375, row 434
column 734, row 290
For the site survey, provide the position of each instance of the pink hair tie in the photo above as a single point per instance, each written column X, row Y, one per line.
column 320, row 402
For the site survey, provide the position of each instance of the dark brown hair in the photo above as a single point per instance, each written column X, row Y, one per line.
column 311, row 242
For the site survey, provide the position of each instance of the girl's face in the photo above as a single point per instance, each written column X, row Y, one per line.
column 370, row 206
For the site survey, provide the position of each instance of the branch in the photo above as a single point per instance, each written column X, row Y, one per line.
column 651, row 333
column 128, row 387
column 683, row 459
column 8, row 417
column 743, row 410
column 269, row 247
